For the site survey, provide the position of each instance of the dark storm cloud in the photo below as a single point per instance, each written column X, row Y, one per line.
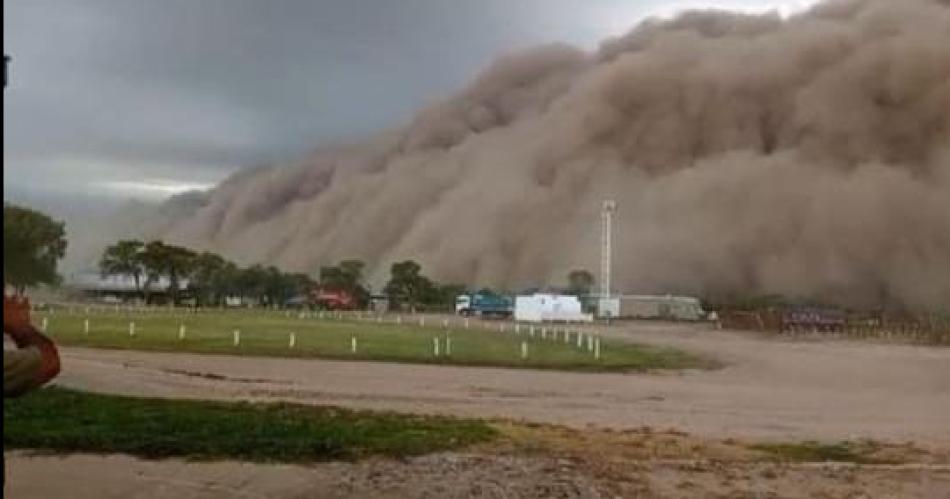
column 180, row 90
column 191, row 90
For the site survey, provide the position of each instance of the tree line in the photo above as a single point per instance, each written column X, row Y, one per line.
column 33, row 243
column 211, row 278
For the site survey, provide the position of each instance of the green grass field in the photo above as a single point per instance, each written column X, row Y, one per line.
column 59, row 420
column 268, row 333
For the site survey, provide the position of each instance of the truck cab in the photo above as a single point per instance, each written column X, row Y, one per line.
column 463, row 305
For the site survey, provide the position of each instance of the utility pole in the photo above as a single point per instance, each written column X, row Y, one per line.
column 606, row 227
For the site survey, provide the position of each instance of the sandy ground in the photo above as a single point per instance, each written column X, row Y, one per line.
column 464, row 475
column 770, row 390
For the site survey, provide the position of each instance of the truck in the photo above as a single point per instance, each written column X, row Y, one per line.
column 484, row 304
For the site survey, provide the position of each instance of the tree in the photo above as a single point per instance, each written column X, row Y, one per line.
column 207, row 271
column 175, row 262
column 33, row 243
column 407, row 285
column 124, row 258
column 580, row 282
column 252, row 282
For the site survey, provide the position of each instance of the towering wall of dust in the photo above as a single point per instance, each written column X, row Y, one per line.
column 808, row 156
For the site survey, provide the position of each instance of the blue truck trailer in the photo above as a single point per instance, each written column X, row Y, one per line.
column 484, row 305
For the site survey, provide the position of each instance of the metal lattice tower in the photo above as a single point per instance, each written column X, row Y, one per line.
column 606, row 226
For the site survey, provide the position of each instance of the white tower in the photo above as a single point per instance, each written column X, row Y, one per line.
column 606, row 225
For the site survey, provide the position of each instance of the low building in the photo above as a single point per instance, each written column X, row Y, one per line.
column 545, row 307
column 663, row 307
column 118, row 288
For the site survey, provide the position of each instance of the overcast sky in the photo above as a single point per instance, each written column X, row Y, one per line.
column 118, row 99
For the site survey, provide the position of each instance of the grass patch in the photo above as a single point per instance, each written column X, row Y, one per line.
column 65, row 421
column 864, row 452
column 267, row 333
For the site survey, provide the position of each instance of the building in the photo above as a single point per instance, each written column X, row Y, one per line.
column 664, row 307
column 119, row 288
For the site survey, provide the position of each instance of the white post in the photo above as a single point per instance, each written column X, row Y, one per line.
column 321, row 315
column 293, row 340
column 544, row 333
column 237, row 337
column 501, row 328
column 597, row 348
column 567, row 336
column 531, row 331
column 580, row 339
column 422, row 322
column 131, row 329
column 435, row 346
column 353, row 344
column 448, row 346
column 44, row 324
column 524, row 350
column 181, row 332
column 445, row 323
column 379, row 319
column 590, row 343
column 518, row 329
column 466, row 323
column 398, row 319
column 85, row 326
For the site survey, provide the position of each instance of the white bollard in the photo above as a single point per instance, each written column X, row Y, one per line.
column 398, row 319
column 580, row 340
column 466, row 323
column 597, row 348
column 567, row 336
column 448, row 346
column 518, row 329
column 435, row 346
column 353, row 344
column 524, row 350
column 544, row 333
column 531, row 331
column 131, row 329
column 181, row 332
column 85, row 326
column 237, row 337
column 44, row 325
column 590, row 343
column 293, row 340
column 422, row 322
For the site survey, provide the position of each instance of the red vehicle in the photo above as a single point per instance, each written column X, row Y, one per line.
column 333, row 299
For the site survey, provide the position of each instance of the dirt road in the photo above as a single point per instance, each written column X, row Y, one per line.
column 770, row 389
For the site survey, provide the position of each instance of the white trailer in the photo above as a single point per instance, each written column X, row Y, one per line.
column 543, row 307
column 680, row 308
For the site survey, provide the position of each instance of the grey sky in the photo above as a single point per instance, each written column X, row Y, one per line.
column 115, row 99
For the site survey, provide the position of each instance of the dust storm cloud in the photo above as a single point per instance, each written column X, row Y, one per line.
column 747, row 153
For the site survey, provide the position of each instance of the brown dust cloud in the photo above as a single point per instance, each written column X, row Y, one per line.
column 748, row 154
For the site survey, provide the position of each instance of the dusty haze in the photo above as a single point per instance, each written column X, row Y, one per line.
column 748, row 154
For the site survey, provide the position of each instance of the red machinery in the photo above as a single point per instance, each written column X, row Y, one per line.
column 333, row 299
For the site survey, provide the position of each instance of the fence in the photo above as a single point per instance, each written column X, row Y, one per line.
column 924, row 329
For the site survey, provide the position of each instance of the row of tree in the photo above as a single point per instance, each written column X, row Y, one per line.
column 210, row 277
column 33, row 243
